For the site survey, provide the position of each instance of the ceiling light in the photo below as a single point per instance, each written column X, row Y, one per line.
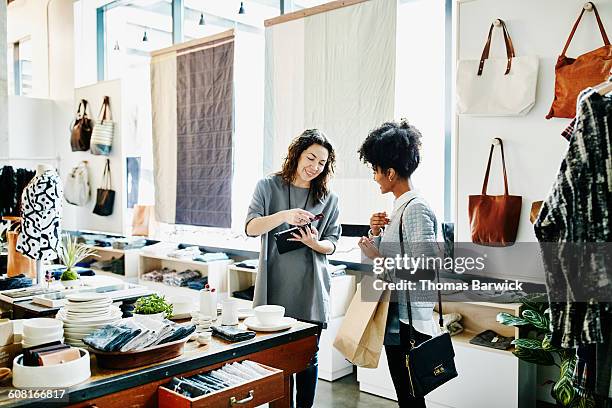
column 201, row 19
column 144, row 37
column 241, row 11
column 116, row 47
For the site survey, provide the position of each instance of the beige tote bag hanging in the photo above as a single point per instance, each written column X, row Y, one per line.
column 360, row 338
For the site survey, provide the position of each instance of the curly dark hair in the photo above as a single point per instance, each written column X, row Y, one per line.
column 393, row 146
column 318, row 186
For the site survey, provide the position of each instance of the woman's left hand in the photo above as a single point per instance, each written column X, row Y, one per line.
column 308, row 236
column 368, row 248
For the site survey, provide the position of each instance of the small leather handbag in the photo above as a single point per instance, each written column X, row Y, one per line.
column 432, row 362
column 105, row 198
column 80, row 136
column 494, row 220
column 572, row 75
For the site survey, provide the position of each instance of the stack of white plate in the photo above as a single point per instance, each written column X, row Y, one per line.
column 85, row 313
column 40, row 331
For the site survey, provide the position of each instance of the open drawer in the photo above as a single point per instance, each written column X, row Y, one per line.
column 246, row 395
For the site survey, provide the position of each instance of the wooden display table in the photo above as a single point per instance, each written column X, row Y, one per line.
column 289, row 351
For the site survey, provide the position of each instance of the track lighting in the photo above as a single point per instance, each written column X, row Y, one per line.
column 145, row 37
column 241, row 11
column 201, row 19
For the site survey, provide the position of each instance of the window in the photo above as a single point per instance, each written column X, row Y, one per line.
column 20, row 68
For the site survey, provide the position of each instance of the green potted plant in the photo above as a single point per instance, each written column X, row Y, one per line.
column 70, row 254
column 153, row 306
column 536, row 348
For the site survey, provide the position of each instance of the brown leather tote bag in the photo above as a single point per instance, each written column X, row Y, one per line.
column 494, row 220
column 80, row 136
column 574, row 75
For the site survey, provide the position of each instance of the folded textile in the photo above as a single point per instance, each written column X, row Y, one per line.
column 15, row 282
column 489, row 338
column 198, row 284
column 246, row 294
column 151, row 331
column 111, row 337
column 451, row 322
column 129, row 243
column 211, row 257
column 232, row 334
column 182, row 278
column 454, row 328
column 178, row 332
column 157, row 275
column 185, row 253
column 249, row 263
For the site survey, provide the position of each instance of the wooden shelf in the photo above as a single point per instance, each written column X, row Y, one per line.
column 106, row 249
column 241, row 269
column 184, row 261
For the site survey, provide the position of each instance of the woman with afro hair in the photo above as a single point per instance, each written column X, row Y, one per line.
column 393, row 150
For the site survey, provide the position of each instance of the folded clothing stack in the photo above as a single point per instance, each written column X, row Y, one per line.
column 129, row 243
column 198, row 284
column 157, row 275
column 90, row 239
column 133, row 335
column 451, row 322
column 181, row 278
column 15, row 282
column 232, row 333
column 114, row 265
column 211, row 257
column 185, row 253
column 227, row 376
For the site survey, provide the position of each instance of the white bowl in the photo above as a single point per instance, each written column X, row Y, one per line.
column 181, row 305
column 41, row 326
column 269, row 315
column 43, row 339
column 55, row 376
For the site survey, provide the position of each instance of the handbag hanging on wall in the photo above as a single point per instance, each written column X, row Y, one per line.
column 497, row 86
column 106, row 196
column 102, row 135
column 572, row 75
column 432, row 362
column 76, row 187
column 80, row 135
column 494, row 220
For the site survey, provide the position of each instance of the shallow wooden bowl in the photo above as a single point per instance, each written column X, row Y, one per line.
column 117, row 360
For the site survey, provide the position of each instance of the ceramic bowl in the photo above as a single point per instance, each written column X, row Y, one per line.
column 40, row 327
column 269, row 315
column 54, row 376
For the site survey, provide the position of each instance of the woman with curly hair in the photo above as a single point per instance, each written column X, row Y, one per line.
column 393, row 151
column 298, row 280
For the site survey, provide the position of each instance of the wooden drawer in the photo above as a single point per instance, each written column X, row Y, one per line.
column 247, row 395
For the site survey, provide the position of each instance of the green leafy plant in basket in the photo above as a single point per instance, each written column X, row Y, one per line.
column 70, row 254
column 537, row 349
column 152, row 305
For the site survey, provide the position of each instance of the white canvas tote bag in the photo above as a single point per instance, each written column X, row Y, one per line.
column 76, row 188
column 497, row 86
column 102, row 135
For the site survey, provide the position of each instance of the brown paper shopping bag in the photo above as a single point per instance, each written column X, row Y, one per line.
column 143, row 220
column 360, row 338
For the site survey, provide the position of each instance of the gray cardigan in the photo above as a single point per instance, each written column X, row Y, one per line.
column 419, row 231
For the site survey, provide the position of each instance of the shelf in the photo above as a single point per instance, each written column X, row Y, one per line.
column 106, row 249
column 241, row 269
column 184, row 261
column 172, row 291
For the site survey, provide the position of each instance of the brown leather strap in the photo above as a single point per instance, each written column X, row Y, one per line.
column 83, row 103
column 487, row 48
column 486, row 179
column 602, row 30
column 105, row 109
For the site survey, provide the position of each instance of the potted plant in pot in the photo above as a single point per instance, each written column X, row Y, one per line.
column 70, row 254
column 536, row 348
column 153, row 306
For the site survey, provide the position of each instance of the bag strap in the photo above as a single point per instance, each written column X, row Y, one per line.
column 487, row 48
column 106, row 176
column 602, row 30
column 486, row 179
column 84, row 104
column 105, row 109
column 408, row 305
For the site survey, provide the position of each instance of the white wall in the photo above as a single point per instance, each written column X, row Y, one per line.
column 3, row 90
column 533, row 145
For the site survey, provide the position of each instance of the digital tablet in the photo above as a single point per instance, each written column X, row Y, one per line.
column 282, row 238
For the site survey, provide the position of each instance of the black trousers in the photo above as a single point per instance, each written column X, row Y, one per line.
column 396, row 358
column 306, row 381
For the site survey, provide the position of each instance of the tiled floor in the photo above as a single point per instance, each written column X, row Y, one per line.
column 345, row 393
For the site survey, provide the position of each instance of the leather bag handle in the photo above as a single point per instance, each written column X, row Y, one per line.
column 602, row 30
column 83, row 103
column 486, row 179
column 105, row 110
column 487, row 48
column 106, row 176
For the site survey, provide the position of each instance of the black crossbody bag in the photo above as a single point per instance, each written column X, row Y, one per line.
column 431, row 363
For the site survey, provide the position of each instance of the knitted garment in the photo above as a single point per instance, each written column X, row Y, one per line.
column 577, row 210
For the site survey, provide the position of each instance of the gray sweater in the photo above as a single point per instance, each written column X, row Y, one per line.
column 419, row 231
column 297, row 280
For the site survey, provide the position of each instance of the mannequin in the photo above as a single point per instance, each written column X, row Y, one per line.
column 41, row 168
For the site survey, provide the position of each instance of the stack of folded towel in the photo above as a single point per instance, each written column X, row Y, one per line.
column 451, row 322
column 181, row 278
column 211, row 257
column 185, row 253
column 132, row 335
column 157, row 275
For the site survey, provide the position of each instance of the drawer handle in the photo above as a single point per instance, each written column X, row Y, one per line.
column 242, row 401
